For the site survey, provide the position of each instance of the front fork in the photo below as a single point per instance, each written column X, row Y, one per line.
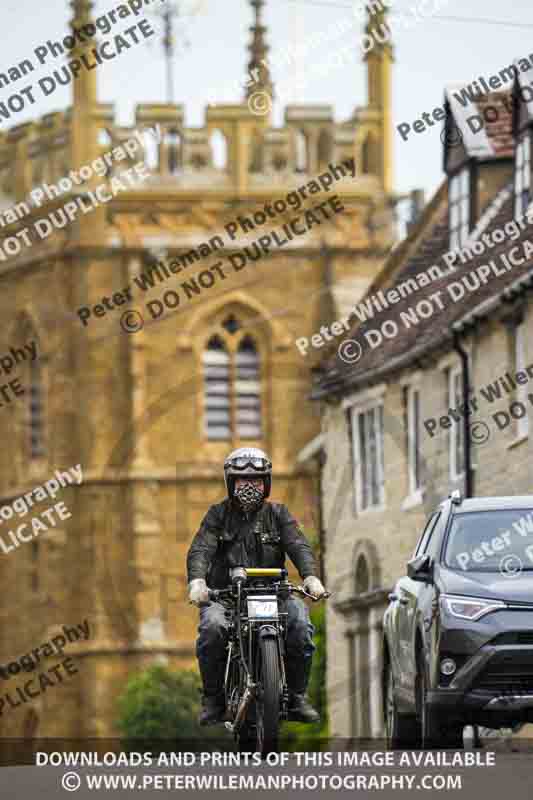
column 284, row 701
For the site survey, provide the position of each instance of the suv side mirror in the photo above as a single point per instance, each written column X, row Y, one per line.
column 420, row 569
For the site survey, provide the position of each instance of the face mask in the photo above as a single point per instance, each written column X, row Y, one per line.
column 249, row 496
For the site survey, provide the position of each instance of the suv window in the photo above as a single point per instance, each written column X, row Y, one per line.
column 422, row 543
column 435, row 538
column 491, row 541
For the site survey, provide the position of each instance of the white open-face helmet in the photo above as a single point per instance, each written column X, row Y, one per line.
column 247, row 462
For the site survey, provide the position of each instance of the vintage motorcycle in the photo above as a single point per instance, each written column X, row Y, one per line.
column 255, row 683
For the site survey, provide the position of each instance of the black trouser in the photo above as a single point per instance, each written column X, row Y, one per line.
column 213, row 636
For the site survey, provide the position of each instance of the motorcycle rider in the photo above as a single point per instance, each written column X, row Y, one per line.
column 245, row 530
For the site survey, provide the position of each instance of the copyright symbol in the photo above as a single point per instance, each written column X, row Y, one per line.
column 131, row 321
column 71, row 781
column 451, row 136
column 511, row 566
column 260, row 103
column 479, row 433
column 350, row 351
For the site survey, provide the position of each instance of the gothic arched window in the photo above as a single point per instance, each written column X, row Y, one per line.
column 362, row 576
column 217, row 390
column 232, row 384
column 30, row 409
column 248, row 390
column 36, row 408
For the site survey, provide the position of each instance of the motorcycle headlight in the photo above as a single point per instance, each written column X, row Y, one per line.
column 262, row 607
column 472, row 608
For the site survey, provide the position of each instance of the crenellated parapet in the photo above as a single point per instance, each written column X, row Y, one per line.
column 235, row 149
column 236, row 146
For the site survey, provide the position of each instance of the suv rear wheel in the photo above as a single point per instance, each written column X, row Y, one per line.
column 402, row 730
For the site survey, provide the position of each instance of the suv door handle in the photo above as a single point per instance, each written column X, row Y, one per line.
column 403, row 601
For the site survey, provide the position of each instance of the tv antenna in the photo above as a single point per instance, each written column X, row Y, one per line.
column 176, row 16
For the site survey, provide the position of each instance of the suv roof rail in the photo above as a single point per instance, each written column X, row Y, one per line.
column 456, row 497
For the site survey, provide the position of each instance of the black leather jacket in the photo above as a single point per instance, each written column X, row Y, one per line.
column 227, row 537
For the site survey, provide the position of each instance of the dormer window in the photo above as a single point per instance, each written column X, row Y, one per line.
column 522, row 176
column 459, row 208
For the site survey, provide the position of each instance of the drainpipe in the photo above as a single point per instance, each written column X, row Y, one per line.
column 463, row 355
column 321, row 460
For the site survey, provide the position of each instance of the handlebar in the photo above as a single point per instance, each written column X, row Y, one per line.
column 216, row 594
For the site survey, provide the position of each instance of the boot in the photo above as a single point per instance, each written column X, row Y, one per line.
column 213, row 708
column 213, row 696
column 300, row 709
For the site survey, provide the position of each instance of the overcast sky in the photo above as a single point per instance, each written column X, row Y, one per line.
column 436, row 52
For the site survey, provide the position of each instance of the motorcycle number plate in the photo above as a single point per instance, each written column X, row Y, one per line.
column 262, row 607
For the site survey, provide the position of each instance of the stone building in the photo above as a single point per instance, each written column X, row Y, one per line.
column 150, row 411
column 444, row 324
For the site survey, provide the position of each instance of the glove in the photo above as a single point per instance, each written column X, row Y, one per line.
column 314, row 586
column 198, row 592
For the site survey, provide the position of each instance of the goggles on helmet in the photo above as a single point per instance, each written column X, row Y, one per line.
column 259, row 464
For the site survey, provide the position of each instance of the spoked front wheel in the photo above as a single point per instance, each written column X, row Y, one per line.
column 268, row 699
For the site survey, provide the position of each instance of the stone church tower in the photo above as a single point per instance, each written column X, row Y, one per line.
column 150, row 414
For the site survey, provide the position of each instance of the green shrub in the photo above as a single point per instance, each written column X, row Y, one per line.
column 161, row 704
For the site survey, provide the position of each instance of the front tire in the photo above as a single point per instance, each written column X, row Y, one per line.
column 437, row 732
column 402, row 730
column 268, row 700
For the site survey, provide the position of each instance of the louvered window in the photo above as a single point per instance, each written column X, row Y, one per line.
column 248, row 391
column 217, row 390
column 36, row 411
column 232, row 385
